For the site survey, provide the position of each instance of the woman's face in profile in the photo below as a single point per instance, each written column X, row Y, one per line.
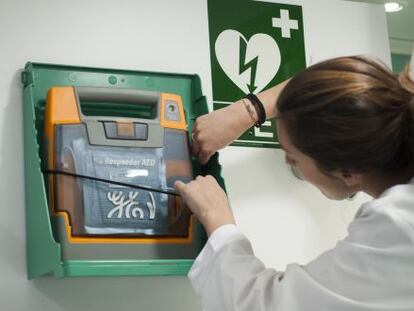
column 332, row 185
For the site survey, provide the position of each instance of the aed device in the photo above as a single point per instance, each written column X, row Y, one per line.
column 151, row 153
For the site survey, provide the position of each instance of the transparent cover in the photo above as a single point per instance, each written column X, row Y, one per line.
column 101, row 208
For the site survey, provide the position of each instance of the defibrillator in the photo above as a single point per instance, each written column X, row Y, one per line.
column 113, row 156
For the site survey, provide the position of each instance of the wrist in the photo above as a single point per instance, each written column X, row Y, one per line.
column 213, row 221
column 245, row 120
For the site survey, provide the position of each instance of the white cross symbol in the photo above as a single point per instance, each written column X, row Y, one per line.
column 285, row 23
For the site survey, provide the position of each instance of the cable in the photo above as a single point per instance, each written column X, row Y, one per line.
column 57, row 172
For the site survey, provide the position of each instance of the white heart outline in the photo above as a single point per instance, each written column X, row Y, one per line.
column 260, row 45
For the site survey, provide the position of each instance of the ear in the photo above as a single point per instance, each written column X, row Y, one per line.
column 350, row 179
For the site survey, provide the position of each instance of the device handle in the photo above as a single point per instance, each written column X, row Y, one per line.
column 111, row 95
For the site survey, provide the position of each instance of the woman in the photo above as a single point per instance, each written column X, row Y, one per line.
column 346, row 125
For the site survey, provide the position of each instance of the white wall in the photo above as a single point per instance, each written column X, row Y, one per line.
column 285, row 219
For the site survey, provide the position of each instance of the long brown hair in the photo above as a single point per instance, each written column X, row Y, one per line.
column 351, row 113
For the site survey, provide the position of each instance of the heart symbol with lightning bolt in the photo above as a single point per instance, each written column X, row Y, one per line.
column 250, row 64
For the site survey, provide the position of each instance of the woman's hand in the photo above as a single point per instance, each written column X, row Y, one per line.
column 219, row 128
column 207, row 201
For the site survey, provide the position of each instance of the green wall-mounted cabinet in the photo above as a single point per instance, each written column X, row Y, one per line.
column 46, row 255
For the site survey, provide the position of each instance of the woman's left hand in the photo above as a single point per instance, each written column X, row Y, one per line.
column 207, row 201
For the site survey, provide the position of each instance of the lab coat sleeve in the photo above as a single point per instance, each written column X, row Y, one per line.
column 371, row 269
column 227, row 275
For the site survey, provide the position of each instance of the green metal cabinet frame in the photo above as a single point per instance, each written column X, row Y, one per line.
column 43, row 252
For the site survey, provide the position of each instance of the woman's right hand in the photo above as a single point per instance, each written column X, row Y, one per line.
column 219, row 128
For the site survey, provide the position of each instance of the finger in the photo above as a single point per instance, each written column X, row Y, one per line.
column 213, row 185
column 211, row 179
column 195, row 126
column 179, row 186
column 204, row 156
column 200, row 119
column 195, row 148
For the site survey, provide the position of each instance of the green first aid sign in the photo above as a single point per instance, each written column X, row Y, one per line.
column 253, row 46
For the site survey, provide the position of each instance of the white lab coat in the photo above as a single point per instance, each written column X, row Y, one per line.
column 371, row 269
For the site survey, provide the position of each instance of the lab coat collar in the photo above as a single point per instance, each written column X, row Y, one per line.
column 387, row 191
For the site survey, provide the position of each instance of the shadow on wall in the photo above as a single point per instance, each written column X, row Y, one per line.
column 12, row 223
column 120, row 293
column 272, row 178
column 284, row 205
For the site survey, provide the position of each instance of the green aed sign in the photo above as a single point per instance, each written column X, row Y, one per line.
column 253, row 46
